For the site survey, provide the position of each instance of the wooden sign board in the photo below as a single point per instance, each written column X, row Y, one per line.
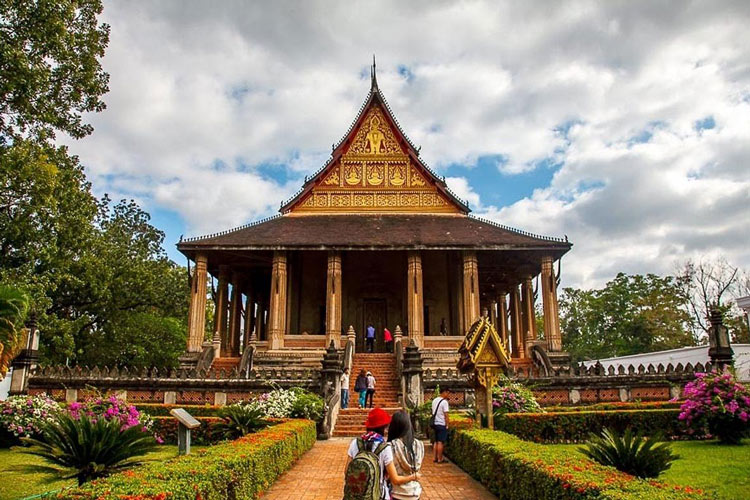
column 184, row 418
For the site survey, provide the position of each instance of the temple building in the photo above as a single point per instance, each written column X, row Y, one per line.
column 375, row 237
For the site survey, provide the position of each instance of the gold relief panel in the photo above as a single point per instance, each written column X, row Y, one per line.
column 386, row 199
column 353, row 174
column 415, row 178
column 333, row 178
column 375, row 137
column 397, row 175
column 410, row 199
column 308, row 202
column 364, row 200
column 375, row 173
column 341, row 199
column 321, row 200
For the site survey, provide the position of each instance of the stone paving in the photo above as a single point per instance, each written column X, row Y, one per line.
column 319, row 475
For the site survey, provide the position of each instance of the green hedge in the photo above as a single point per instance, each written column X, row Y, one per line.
column 162, row 410
column 646, row 405
column 240, row 469
column 573, row 427
column 166, row 428
column 514, row 469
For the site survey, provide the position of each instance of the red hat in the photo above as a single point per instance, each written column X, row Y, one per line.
column 377, row 418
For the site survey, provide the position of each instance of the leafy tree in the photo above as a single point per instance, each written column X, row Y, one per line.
column 631, row 314
column 49, row 62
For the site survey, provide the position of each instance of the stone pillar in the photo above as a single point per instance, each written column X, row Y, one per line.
column 412, row 386
column 549, row 301
column 330, row 379
column 333, row 299
column 470, row 290
column 220, row 315
column 235, row 316
column 277, row 304
column 197, row 311
column 502, row 318
column 249, row 315
column 26, row 360
column 516, row 327
column 415, row 298
column 493, row 314
column 528, row 315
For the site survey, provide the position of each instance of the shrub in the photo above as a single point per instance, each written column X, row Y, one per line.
column 518, row 470
column 629, row 405
column 24, row 416
column 512, row 397
column 575, row 427
column 238, row 469
column 166, row 429
column 238, row 420
column 637, row 455
column 289, row 403
column 717, row 401
column 307, row 405
column 112, row 408
column 88, row 448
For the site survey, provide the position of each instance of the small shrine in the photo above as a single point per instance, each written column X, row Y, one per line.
column 483, row 356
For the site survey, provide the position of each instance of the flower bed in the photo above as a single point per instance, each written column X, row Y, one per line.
column 238, row 469
column 515, row 469
column 23, row 416
column 561, row 427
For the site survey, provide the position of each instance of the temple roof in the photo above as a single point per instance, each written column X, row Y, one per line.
column 482, row 345
column 374, row 231
column 375, row 168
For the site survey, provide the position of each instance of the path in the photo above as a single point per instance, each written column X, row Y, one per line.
column 319, row 475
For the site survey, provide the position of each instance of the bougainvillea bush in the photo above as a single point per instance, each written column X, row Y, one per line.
column 512, row 397
column 112, row 408
column 23, row 416
column 717, row 401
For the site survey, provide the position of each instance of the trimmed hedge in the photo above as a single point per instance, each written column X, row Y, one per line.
column 240, row 469
column 560, row 427
column 514, row 469
column 647, row 405
column 162, row 410
column 166, row 428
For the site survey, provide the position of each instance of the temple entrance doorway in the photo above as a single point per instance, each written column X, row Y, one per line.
column 374, row 313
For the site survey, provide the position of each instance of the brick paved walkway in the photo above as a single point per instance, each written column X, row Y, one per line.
column 319, row 475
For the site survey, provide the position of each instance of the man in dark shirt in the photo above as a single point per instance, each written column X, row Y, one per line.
column 370, row 338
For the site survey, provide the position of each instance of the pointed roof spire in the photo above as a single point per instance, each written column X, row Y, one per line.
column 373, row 76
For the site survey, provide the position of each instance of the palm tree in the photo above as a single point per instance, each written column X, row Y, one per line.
column 86, row 449
column 14, row 305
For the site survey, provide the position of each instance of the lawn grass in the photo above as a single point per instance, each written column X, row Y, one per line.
column 707, row 465
column 16, row 481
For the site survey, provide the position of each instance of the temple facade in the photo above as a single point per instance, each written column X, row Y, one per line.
column 375, row 237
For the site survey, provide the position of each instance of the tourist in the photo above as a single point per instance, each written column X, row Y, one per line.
column 345, row 389
column 370, row 389
column 374, row 441
column 388, row 340
column 440, row 408
column 360, row 386
column 407, row 456
column 370, row 338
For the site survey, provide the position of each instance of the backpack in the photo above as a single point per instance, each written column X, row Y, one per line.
column 432, row 418
column 363, row 474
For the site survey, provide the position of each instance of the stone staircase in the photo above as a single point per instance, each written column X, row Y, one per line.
column 226, row 364
column 351, row 421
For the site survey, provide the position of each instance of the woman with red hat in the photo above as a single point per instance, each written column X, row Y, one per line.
column 376, row 425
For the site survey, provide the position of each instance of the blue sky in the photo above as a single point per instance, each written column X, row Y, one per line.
column 621, row 125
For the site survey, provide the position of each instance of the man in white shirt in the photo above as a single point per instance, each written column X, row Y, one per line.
column 440, row 409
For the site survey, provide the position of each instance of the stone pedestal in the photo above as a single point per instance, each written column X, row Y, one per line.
column 330, row 380
column 411, row 377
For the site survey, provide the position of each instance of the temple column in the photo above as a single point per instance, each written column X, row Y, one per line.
column 197, row 314
column 249, row 315
column 516, row 327
column 235, row 314
column 493, row 314
column 415, row 298
column 220, row 315
column 278, row 302
column 502, row 318
column 470, row 289
column 549, row 302
column 529, row 315
column 333, row 299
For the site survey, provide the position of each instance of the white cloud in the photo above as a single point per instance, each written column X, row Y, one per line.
column 205, row 96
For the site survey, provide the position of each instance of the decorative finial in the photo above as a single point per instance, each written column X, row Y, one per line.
column 373, row 76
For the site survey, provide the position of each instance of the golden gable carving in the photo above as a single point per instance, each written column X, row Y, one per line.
column 375, row 137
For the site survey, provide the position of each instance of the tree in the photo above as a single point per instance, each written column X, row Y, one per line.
column 630, row 315
column 13, row 308
column 708, row 283
column 49, row 62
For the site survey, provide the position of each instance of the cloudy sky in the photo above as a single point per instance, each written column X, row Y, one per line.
column 623, row 125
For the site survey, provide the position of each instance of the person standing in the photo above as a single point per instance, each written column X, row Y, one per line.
column 345, row 389
column 370, row 388
column 407, row 456
column 360, row 386
column 370, row 338
column 388, row 340
column 440, row 409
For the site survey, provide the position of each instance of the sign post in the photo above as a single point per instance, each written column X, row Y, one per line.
column 185, row 422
